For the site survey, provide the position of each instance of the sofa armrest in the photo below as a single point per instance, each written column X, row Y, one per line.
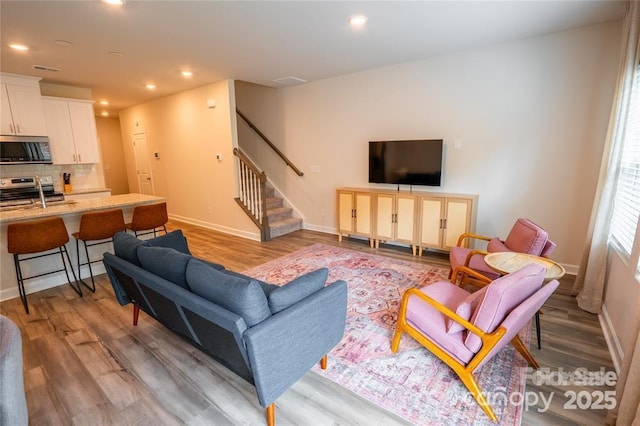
column 285, row 346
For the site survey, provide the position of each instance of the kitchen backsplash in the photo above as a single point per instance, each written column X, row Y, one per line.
column 82, row 175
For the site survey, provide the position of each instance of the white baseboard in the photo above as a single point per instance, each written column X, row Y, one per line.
column 318, row 228
column 615, row 348
column 570, row 269
column 255, row 236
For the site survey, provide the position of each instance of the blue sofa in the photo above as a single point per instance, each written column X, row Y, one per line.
column 269, row 335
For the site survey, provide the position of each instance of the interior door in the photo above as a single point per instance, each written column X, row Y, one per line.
column 143, row 165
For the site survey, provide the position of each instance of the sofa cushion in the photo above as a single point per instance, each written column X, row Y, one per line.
column 501, row 297
column 526, row 237
column 241, row 296
column 299, row 288
column 465, row 309
column 173, row 239
column 125, row 246
column 167, row 263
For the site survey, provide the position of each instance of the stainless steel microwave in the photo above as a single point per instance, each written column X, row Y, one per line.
column 25, row 150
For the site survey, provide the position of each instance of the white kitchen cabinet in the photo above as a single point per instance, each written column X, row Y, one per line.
column 22, row 111
column 355, row 214
column 396, row 218
column 444, row 219
column 71, row 126
column 420, row 219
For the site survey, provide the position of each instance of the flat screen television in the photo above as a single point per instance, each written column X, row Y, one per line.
column 413, row 162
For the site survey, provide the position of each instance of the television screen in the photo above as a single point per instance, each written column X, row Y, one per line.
column 414, row 162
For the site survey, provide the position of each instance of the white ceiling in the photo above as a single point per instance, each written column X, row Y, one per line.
column 257, row 41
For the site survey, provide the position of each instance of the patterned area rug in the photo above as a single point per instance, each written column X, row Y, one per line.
column 413, row 383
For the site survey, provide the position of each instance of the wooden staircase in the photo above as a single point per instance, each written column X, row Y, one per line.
column 259, row 201
column 281, row 219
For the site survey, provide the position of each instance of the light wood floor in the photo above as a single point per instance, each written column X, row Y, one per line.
column 85, row 364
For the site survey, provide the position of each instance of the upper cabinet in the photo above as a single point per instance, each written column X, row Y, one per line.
column 71, row 126
column 22, row 112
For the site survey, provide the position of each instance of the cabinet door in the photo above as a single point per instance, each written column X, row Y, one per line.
column 26, row 109
column 431, row 212
column 384, row 229
column 59, row 129
column 406, row 207
column 457, row 220
column 83, row 126
column 363, row 214
column 345, row 212
column 6, row 120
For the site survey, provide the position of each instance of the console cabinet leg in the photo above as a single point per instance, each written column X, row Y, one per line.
column 323, row 362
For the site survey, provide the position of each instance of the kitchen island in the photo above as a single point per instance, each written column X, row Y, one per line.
column 70, row 211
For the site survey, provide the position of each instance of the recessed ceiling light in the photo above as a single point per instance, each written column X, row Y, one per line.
column 151, row 86
column 104, row 114
column 114, row 53
column 63, row 43
column 104, row 102
column 358, row 20
column 187, row 73
column 114, row 2
column 18, row 46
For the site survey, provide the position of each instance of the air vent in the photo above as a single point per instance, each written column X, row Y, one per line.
column 289, row 81
column 43, row 68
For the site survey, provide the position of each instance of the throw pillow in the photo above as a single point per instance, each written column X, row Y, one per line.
column 167, row 263
column 173, row 239
column 125, row 246
column 239, row 295
column 294, row 291
column 465, row 309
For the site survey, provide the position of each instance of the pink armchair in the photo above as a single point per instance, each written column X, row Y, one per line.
column 524, row 237
column 465, row 330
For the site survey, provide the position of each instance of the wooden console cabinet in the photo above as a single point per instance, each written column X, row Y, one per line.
column 420, row 219
column 355, row 210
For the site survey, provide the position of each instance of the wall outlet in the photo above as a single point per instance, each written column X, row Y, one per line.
column 315, row 168
column 323, row 212
column 457, row 144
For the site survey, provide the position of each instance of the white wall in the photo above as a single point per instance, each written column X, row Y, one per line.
column 111, row 147
column 531, row 115
column 187, row 135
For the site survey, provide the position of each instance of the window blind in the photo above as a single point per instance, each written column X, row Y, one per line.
column 626, row 209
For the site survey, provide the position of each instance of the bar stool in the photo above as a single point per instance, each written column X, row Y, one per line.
column 99, row 227
column 149, row 218
column 39, row 236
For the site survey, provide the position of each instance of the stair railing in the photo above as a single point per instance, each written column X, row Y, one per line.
column 271, row 145
column 252, row 197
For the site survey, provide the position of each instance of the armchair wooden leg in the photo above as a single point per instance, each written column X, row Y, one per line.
column 271, row 414
column 471, row 384
column 395, row 342
column 323, row 362
column 136, row 312
column 520, row 347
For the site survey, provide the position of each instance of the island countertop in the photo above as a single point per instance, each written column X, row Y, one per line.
column 63, row 208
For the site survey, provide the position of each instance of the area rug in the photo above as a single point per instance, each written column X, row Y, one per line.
column 413, row 383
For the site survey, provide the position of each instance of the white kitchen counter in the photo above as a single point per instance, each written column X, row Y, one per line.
column 60, row 208
column 70, row 212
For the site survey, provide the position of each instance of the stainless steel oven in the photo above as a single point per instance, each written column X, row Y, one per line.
column 24, row 191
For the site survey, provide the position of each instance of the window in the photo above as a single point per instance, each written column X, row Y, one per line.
column 626, row 209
